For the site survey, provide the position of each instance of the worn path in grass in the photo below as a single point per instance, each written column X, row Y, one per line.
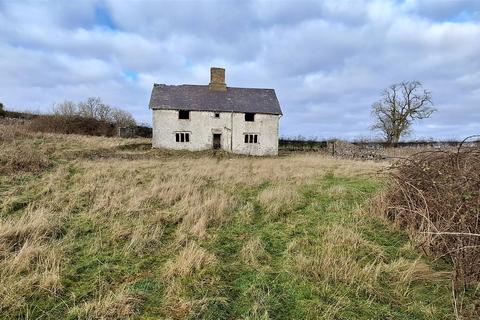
column 272, row 280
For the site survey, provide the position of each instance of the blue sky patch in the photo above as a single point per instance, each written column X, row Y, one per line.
column 463, row 16
column 103, row 18
column 130, row 75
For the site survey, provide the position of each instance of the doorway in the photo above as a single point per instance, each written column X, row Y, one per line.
column 217, row 137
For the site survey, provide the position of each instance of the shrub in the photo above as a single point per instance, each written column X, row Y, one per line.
column 72, row 125
column 436, row 195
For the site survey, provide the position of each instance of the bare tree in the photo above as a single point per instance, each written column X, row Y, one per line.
column 89, row 108
column 122, row 118
column 400, row 105
column 103, row 112
column 2, row 111
column 94, row 107
column 66, row 108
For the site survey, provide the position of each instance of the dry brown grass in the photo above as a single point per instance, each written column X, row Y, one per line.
column 345, row 256
column 118, row 304
column 278, row 199
column 69, row 146
column 29, row 262
column 403, row 272
column 179, row 306
column 190, row 259
column 34, row 225
column 339, row 258
column 14, row 131
column 17, row 159
column 253, row 252
column 203, row 210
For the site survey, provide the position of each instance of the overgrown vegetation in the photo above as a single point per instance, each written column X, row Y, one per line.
column 90, row 117
column 436, row 195
column 72, row 125
column 111, row 229
column 95, row 108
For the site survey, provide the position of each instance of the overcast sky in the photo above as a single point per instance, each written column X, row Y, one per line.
column 327, row 60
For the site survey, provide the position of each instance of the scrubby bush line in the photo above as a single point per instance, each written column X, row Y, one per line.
column 90, row 117
column 72, row 125
column 95, row 108
column 436, row 195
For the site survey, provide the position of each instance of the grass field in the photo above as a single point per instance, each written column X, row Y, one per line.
column 106, row 228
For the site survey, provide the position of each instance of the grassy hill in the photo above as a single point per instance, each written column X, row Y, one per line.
column 106, row 228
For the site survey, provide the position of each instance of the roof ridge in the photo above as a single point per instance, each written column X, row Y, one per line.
column 205, row 85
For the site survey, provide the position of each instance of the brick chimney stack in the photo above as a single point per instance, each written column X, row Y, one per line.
column 217, row 79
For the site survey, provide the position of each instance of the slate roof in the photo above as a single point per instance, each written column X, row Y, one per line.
column 200, row 98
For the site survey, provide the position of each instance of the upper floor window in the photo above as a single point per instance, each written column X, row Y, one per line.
column 182, row 137
column 183, row 114
column 249, row 117
column 251, row 138
column 217, row 115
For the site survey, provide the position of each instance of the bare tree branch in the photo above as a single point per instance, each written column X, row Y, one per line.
column 65, row 108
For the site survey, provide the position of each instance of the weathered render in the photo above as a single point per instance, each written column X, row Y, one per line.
column 195, row 117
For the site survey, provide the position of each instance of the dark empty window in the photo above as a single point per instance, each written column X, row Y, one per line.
column 182, row 137
column 251, row 138
column 250, row 117
column 183, row 114
column 217, row 115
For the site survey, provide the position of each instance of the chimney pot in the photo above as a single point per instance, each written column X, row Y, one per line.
column 217, row 79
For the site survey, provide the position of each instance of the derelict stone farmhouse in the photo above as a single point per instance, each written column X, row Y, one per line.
column 214, row 116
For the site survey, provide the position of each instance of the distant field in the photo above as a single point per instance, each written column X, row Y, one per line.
column 106, row 228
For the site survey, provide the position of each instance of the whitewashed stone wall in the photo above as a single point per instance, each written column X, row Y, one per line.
column 202, row 125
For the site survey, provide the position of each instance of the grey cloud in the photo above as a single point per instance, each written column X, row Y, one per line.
column 328, row 61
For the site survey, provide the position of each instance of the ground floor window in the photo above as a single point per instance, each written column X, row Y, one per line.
column 182, row 137
column 251, row 138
